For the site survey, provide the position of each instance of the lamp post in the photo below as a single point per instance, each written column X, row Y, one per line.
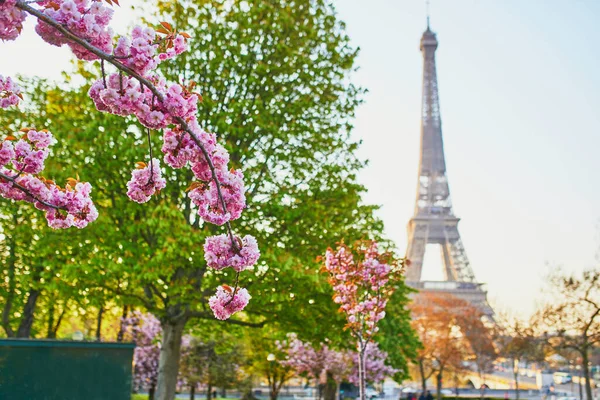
column 271, row 374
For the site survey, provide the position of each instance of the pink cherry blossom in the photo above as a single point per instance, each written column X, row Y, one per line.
column 210, row 208
column 222, row 304
column 144, row 183
column 9, row 89
column 219, row 252
column 11, row 21
column 21, row 161
column 86, row 19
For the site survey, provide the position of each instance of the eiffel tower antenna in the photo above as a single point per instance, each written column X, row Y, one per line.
column 427, row 10
column 434, row 221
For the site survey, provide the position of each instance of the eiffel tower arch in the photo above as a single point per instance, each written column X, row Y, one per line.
column 433, row 221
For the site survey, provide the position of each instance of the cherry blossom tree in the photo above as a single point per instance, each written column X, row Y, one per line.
column 145, row 331
column 304, row 359
column 376, row 369
column 363, row 280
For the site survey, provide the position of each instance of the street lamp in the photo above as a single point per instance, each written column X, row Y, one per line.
column 271, row 357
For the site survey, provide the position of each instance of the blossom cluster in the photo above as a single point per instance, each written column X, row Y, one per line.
column 360, row 286
column 11, row 20
column 87, row 19
column 141, row 51
column 219, row 252
column 123, row 95
column 145, row 181
column 10, row 92
column 20, row 162
column 180, row 150
column 225, row 302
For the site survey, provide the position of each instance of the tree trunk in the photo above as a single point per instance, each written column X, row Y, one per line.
column 60, row 318
column 121, row 326
column 168, row 363
column 192, row 391
column 361, row 371
column 330, row 387
column 439, row 384
column 50, row 327
column 24, row 330
column 12, row 284
column 276, row 383
column 223, row 392
column 586, row 374
column 209, row 392
column 423, row 378
column 273, row 393
column 99, row 323
column 151, row 392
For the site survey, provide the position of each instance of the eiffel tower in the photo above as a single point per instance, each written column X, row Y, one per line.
column 434, row 221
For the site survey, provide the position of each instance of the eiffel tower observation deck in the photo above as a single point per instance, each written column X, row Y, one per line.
column 434, row 221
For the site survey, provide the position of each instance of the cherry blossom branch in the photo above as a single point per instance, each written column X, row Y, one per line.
column 26, row 191
column 23, row 5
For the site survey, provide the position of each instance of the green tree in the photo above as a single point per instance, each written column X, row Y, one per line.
column 397, row 337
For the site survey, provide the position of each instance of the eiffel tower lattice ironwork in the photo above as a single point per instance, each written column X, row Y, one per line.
column 434, row 221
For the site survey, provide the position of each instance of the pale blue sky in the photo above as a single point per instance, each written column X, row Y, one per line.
column 519, row 99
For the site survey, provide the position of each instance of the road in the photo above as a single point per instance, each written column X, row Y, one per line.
column 570, row 388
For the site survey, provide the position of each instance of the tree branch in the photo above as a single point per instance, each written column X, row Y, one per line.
column 28, row 193
column 143, row 81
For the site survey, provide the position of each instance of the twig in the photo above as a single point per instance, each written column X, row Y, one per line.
column 235, row 289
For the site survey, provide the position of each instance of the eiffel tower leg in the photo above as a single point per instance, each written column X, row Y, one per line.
column 417, row 240
column 449, row 273
column 459, row 263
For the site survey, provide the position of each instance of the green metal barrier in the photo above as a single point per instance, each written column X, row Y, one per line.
column 65, row 370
